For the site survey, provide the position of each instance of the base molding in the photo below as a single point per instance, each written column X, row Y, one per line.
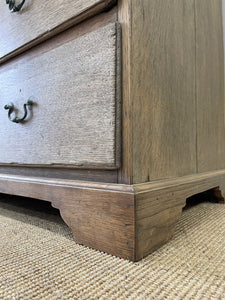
column 129, row 221
column 100, row 215
column 159, row 206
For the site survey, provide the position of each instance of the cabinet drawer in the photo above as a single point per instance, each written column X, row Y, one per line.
column 75, row 118
column 41, row 19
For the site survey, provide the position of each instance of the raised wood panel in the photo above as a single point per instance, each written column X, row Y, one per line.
column 76, row 117
column 210, row 86
column 163, row 89
column 38, row 20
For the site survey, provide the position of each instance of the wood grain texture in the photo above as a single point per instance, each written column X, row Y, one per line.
column 163, row 89
column 159, row 206
column 210, row 86
column 66, row 36
column 155, row 230
column 70, row 34
column 75, row 121
column 38, row 20
column 101, row 216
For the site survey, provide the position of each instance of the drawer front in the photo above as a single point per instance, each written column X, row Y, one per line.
column 75, row 118
column 40, row 19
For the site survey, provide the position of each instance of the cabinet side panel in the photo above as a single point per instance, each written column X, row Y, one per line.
column 163, row 89
column 210, row 85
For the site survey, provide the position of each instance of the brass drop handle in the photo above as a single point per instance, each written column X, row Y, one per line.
column 10, row 107
column 14, row 7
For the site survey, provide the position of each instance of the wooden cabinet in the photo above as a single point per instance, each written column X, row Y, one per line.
column 127, row 119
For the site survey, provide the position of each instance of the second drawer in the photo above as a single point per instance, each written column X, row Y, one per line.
column 75, row 118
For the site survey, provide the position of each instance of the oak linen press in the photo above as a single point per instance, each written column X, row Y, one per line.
column 114, row 112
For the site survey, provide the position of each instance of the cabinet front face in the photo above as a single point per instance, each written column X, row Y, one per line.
column 37, row 19
column 74, row 119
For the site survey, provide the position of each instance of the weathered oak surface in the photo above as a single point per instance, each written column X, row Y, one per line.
column 159, row 206
column 159, row 128
column 210, row 86
column 100, row 215
column 38, row 20
column 75, row 88
column 173, row 96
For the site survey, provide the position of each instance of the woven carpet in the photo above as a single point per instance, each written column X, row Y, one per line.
column 40, row 260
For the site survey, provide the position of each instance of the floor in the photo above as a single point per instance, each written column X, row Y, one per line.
column 40, row 260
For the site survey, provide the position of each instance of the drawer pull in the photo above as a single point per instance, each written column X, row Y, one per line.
column 13, row 7
column 10, row 107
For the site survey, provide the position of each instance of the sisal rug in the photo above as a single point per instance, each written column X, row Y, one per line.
column 40, row 260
